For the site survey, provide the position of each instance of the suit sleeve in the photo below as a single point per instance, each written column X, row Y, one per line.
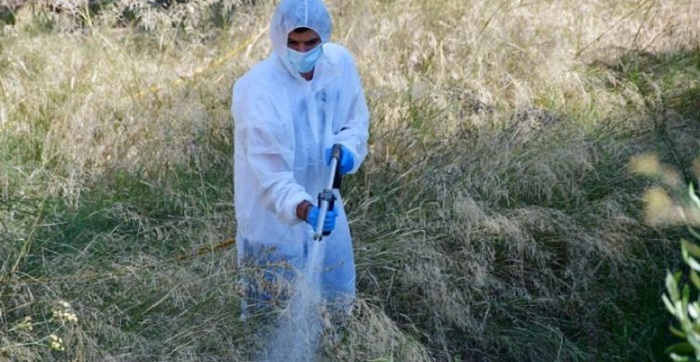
column 269, row 151
column 354, row 133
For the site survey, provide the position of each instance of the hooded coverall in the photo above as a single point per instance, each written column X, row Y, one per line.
column 282, row 126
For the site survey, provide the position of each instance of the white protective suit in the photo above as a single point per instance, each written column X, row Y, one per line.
column 283, row 124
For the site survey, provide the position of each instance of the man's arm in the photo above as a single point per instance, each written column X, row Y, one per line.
column 269, row 150
column 354, row 132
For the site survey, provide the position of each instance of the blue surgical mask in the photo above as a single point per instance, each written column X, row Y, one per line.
column 305, row 62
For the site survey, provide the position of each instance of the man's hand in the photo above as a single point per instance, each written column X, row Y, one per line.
column 310, row 213
column 328, row 222
column 346, row 162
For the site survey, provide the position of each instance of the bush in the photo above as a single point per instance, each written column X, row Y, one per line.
column 669, row 205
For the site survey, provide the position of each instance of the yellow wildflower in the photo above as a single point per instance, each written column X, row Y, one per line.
column 56, row 343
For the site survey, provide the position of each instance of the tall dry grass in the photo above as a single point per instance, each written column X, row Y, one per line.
column 493, row 220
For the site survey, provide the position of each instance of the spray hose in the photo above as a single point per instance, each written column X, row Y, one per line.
column 326, row 198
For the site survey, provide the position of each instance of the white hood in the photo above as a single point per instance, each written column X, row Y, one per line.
column 292, row 14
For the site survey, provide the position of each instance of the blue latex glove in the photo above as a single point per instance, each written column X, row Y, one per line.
column 346, row 161
column 328, row 222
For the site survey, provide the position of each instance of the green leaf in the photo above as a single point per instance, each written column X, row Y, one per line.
column 693, row 197
column 695, row 278
column 677, row 358
column 669, row 305
column 696, row 329
column 676, row 332
column 693, row 263
column 694, row 233
column 692, row 248
column 680, row 348
column 672, row 286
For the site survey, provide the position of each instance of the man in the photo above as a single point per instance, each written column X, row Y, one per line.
column 289, row 110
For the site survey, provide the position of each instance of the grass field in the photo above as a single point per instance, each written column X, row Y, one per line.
column 495, row 218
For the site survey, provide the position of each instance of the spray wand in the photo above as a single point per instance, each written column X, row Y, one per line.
column 326, row 198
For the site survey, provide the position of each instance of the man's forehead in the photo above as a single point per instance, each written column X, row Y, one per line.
column 303, row 34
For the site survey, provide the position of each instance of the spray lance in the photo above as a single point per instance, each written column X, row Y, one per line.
column 326, row 198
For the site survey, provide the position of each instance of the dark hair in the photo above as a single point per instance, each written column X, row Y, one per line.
column 301, row 29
